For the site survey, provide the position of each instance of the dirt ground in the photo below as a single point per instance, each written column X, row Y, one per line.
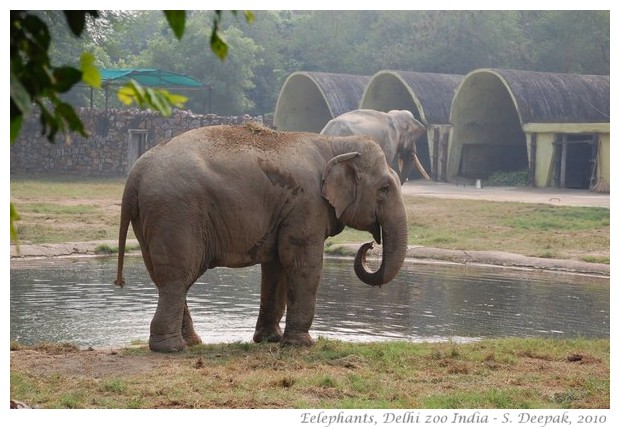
column 92, row 363
column 108, row 362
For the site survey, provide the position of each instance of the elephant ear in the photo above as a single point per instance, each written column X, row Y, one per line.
column 339, row 182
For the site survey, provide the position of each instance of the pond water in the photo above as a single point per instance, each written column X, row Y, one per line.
column 73, row 300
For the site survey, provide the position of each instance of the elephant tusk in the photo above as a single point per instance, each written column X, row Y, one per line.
column 418, row 164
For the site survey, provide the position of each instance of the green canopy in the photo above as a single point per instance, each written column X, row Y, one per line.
column 150, row 77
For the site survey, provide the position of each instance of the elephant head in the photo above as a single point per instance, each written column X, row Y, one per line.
column 366, row 195
column 395, row 131
column 410, row 129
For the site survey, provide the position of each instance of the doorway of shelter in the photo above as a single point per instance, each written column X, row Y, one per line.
column 575, row 161
column 481, row 160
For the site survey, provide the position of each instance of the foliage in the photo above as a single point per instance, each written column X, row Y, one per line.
column 35, row 80
column 280, row 42
column 508, row 178
column 160, row 99
column 228, row 80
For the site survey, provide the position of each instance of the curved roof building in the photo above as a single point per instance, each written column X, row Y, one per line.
column 308, row 100
column 427, row 95
column 554, row 125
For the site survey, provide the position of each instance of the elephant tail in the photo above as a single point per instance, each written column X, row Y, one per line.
column 122, row 238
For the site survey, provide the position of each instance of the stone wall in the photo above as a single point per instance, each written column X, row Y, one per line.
column 116, row 139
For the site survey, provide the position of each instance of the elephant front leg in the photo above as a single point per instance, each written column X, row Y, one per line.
column 303, row 284
column 272, row 303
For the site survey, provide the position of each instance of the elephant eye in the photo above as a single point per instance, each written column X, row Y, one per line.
column 384, row 191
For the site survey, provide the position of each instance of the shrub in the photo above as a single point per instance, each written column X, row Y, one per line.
column 508, row 178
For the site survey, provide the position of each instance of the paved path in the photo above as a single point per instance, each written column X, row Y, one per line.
column 559, row 197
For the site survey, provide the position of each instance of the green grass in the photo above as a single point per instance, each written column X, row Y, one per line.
column 59, row 223
column 60, row 210
column 596, row 259
column 559, row 218
column 66, row 209
column 55, row 210
column 71, row 187
column 538, row 230
column 493, row 373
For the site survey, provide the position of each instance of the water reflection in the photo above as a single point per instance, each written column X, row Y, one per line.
column 73, row 300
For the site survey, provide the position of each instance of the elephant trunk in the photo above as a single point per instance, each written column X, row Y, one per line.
column 394, row 237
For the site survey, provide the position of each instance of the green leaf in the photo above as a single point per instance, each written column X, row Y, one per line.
column 16, row 126
column 20, row 96
column 249, row 16
column 177, row 100
column 176, row 20
column 90, row 73
column 218, row 45
column 39, row 32
column 156, row 99
column 76, row 19
column 66, row 112
column 49, row 124
column 65, row 78
column 127, row 93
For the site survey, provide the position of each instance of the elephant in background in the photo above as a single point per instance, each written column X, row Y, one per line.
column 396, row 132
column 234, row 196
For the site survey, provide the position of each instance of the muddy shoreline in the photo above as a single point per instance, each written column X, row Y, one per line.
column 416, row 253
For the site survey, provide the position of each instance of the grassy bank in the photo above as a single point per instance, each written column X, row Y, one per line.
column 56, row 210
column 67, row 209
column 502, row 373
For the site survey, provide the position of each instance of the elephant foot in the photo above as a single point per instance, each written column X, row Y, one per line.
column 166, row 344
column 268, row 335
column 192, row 340
column 297, row 339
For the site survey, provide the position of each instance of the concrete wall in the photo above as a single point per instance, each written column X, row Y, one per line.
column 603, row 167
column 107, row 151
column 544, row 156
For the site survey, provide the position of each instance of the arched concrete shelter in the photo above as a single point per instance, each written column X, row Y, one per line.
column 554, row 125
column 428, row 96
column 308, row 100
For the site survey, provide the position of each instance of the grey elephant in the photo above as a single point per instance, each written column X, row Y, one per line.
column 396, row 132
column 235, row 196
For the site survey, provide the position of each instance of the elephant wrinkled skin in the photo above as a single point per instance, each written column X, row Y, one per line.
column 238, row 196
column 395, row 131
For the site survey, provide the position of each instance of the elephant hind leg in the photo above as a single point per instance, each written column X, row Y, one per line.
column 176, row 256
column 172, row 328
column 187, row 328
column 166, row 326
